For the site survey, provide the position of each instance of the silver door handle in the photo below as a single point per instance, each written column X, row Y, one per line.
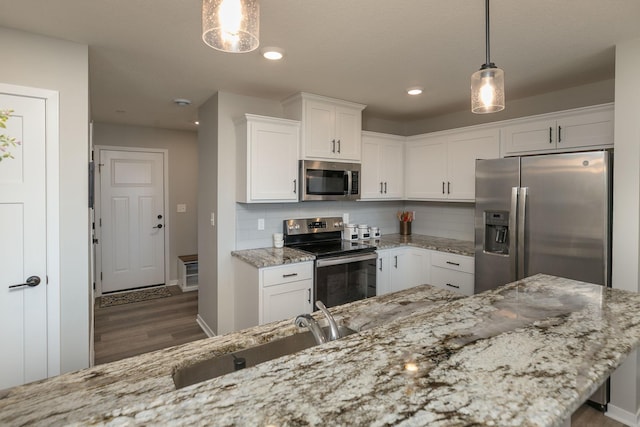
column 295, row 184
column 522, row 212
column 338, row 146
column 333, row 148
column 385, row 187
column 513, row 235
column 448, row 187
column 380, row 268
column 559, row 133
column 380, row 187
column 31, row 282
column 396, row 261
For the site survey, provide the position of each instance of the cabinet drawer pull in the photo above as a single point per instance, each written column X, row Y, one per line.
column 453, row 286
column 290, row 275
column 453, row 263
column 550, row 135
column 559, row 133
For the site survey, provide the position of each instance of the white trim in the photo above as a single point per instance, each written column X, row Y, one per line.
column 52, row 135
column 167, row 217
column 205, row 328
column 173, row 282
column 625, row 417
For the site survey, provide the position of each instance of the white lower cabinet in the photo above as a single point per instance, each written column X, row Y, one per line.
column 401, row 268
column 269, row 294
column 406, row 266
column 452, row 272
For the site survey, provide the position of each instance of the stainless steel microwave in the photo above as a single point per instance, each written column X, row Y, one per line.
column 321, row 180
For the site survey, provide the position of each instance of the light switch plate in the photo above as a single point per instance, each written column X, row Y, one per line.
column 182, row 208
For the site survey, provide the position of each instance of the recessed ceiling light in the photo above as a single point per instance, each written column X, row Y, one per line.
column 272, row 53
column 414, row 90
column 196, row 123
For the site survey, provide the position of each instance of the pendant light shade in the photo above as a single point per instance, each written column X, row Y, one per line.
column 231, row 25
column 487, row 84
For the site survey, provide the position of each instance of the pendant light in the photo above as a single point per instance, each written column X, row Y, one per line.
column 231, row 25
column 487, row 84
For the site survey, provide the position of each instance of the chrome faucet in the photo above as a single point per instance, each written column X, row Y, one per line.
column 305, row 320
column 335, row 333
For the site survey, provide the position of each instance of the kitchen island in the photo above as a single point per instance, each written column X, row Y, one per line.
column 526, row 354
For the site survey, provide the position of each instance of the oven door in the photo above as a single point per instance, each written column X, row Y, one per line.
column 346, row 278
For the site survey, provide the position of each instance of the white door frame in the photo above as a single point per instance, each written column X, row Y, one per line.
column 52, row 159
column 98, row 209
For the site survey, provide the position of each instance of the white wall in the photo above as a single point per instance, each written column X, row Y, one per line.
column 625, row 390
column 35, row 61
column 182, row 147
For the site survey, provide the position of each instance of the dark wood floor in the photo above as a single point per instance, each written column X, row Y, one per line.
column 130, row 329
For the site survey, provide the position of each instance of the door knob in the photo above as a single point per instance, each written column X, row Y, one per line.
column 31, row 282
column 158, row 226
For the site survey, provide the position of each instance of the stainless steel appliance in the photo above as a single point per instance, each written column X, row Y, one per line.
column 321, row 180
column 544, row 214
column 345, row 271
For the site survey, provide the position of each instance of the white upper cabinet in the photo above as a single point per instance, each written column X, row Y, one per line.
column 331, row 128
column 382, row 166
column 585, row 128
column 442, row 166
column 268, row 152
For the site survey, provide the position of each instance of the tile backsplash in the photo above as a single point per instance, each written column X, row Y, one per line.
column 453, row 220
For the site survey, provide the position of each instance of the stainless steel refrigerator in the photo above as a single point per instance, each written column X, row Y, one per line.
column 544, row 214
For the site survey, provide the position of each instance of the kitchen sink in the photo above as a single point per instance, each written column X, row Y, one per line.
column 248, row 357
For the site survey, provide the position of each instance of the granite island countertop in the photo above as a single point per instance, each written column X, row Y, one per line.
column 525, row 354
column 269, row 257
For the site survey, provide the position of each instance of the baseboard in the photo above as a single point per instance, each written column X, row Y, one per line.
column 205, row 328
column 173, row 282
column 625, row 417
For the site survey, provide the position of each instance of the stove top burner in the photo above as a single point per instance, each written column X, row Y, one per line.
column 321, row 237
column 334, row 248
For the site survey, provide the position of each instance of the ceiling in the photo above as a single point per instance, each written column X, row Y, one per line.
column 145, row 53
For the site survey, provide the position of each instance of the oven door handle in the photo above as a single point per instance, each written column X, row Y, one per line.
column 346, row 259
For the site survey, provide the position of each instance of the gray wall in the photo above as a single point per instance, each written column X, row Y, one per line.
column 35, row 61
column 182, row 149
column 216, row 194
column 625, row 382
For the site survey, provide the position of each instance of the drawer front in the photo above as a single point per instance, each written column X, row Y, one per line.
column 287, row 273
column 451, row 280
column 452, row 261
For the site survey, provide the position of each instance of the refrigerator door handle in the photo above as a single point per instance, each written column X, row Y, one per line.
column 522, row 206
column 513, row 234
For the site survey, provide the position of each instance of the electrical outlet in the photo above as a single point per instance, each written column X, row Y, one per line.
column 261, row 224
column 182, row 208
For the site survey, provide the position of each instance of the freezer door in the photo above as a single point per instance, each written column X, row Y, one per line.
column 567, row 215
column 495, row 222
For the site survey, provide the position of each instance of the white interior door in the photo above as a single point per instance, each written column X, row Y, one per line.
column 23, row 252
column 132, row 219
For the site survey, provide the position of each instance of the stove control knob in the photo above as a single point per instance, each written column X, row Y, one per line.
column 297, row 226
column 338, row 224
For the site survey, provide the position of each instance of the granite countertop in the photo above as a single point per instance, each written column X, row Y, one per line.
column 269, row 257
column 525, row 354
column 442, row 244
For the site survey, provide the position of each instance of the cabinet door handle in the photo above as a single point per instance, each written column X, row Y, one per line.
column 442, row 187
column 448, row 187
column 396, row 261
column 295, row 185
column 550, row 135
column 290, row 275
column 333, row 147
column 559, row 133
column 453, row 286
column 453, row 263
column 380, row 268
column 380, row 187
column 338, row 146
column 309, row 299
column 385, row 187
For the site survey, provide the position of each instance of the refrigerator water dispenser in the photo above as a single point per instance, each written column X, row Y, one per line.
column 496, row 232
